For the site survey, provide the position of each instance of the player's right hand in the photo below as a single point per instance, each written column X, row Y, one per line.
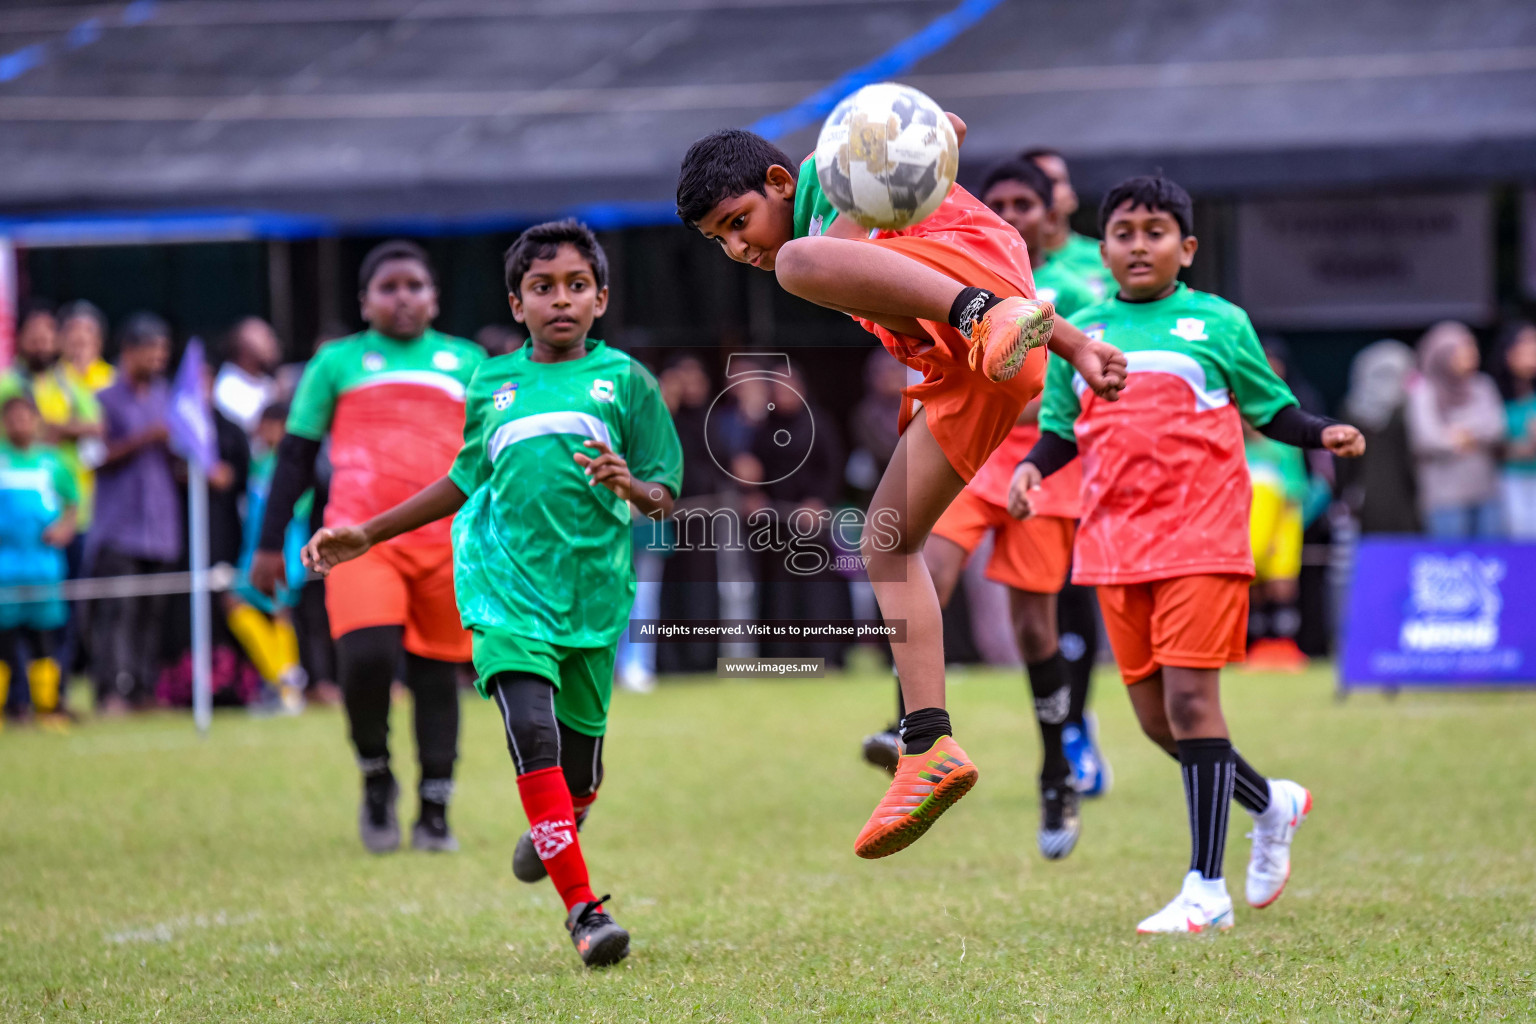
column 1025, row 479
column 331, row 546
column 266, row 570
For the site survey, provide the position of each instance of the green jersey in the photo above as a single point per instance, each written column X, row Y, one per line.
column 1165, row 483
column 1081, row 256
column 1058, row 284
column 538, row 550
column 814, row 212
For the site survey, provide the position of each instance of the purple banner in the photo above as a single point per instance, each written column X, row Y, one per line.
column 1441, row 613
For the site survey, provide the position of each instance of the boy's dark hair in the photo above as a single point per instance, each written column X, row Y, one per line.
column 141, row 329
column 34, row 307
column 275, row 411
column 542, row 241
column 394, row 249
column 1025, row 173
column 1152, row 192
column 724, row 165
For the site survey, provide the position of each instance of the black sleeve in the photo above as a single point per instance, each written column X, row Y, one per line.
column 1050, row 453
column 295, row 474
column 1294, row 426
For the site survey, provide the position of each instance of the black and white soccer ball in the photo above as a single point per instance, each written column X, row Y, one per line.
column 887, row 156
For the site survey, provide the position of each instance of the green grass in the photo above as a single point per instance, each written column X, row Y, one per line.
column 146, row 875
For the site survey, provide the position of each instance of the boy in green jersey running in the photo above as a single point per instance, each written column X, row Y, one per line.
column 561, row 436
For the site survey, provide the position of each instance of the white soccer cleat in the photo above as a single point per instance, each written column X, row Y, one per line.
column 1201, row 906
column 1269, row 865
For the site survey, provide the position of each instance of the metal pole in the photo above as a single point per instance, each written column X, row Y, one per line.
column 202, row 611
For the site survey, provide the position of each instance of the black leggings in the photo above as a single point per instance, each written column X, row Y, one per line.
column 367, row 661
column 538, row 740
column 1077, row 622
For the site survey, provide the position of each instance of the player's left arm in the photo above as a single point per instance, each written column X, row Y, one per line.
column 609, row 468
column 1266, row 402
column 651, row 477
column 1101, row 364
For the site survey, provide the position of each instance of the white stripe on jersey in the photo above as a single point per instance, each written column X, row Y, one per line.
column 542, row 423
column 1179, row 365
column 451, row 386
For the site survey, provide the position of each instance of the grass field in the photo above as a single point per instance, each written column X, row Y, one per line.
column 145, row 875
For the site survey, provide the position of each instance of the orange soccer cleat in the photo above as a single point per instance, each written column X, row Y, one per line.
column 926, row 785
column 1005, row 334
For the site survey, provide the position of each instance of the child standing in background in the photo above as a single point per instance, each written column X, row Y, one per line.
column 1517, row 378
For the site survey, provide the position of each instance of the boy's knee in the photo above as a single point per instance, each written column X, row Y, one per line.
column 1037, row 641
column 1187, row 711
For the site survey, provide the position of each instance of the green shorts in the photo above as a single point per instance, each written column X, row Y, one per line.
column 583, row 676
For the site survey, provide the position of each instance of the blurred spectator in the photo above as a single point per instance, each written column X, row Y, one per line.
column 685, row 388
column 37, row 520
column 82, row 333
column 873, row 424
column 1516, row 373
column 138, row 528
column 245, row 384
column 1456, row 426
column 498, row 339
column 1380, row 487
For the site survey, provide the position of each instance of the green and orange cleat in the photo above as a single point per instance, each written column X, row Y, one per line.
column 926, row 785
column 1003, row 336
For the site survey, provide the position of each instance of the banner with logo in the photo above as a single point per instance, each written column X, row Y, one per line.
column 1441, row 613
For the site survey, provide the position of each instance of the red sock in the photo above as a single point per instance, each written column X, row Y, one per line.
column 547, row 802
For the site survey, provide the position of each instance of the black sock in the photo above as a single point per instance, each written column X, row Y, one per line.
column 1208, row 778
column 969, row 306
column 1053, row 700
column 922, row 728
column 1250, row 788
column 1078, row 622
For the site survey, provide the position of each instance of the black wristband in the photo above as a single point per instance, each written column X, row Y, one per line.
column 1050, row 453
column 293, row 475
column 1294, row 426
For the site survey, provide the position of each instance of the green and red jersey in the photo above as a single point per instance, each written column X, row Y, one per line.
column 1060, row 493
column 395, row 414
column 1165, row 483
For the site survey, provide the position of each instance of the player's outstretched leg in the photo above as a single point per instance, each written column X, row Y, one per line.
column 365, row 662
column 533, row 738
column 935, row 771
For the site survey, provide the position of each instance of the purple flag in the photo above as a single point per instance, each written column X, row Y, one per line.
column 189, row 421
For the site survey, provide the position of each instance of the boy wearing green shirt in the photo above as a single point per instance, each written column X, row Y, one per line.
column 541, row 552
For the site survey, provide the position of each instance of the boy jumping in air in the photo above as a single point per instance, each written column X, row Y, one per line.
column 561, row 436
column 1164, row 533
column 952, row 297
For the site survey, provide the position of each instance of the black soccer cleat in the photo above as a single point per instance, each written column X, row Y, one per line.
column 883, row 749
column 431, row 832
column 1060, row 823
column 377, row 825
column 600, row 941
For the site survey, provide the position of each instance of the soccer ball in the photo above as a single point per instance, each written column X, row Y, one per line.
column 887, row 156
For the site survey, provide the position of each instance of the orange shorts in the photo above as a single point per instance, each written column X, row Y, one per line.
column 968, row 414
column 401, row 586
column 1031, row 554
column 1186, row 622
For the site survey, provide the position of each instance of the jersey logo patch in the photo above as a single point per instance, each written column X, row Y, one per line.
column 602, row 390
column 445, row 361
column 1095, row 331
column 503, row 396
column 373, row 362
column 1189, row 328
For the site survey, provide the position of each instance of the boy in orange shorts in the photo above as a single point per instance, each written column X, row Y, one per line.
column 952, row 297
column 1164, row 533
column 392, row 401
column 1030, row 556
